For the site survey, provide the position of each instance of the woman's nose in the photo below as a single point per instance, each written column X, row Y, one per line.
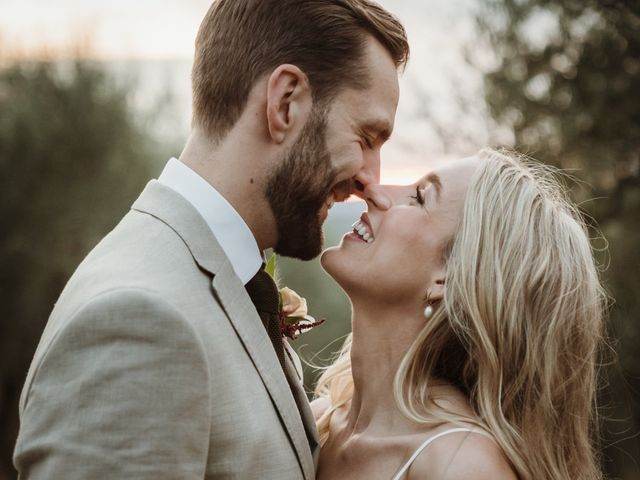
column 384, row 197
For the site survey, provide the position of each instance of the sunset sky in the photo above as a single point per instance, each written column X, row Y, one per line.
column 145, row 30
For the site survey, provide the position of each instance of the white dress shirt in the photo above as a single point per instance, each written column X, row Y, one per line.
column 229, row 228
column 231, row 231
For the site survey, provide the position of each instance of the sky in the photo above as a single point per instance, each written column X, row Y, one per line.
column 431, row 125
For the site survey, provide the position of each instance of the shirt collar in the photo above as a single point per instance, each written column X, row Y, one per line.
column 226, row 224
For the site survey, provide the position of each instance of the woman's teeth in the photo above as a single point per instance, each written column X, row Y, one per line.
column 362, row 230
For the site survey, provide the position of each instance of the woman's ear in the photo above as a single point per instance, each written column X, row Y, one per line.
column 436, row 289
column 289, row 101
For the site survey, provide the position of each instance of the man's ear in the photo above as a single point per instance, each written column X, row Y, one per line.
column 289, row 101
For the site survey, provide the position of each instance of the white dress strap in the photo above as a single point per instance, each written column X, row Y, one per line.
column 419, row 450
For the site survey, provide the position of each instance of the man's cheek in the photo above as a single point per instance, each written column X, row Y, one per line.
column 347, row 161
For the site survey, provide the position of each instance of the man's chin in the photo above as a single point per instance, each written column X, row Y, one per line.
column 301, row 245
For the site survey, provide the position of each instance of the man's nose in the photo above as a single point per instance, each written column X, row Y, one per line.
column 369, row 174
column 376, row 196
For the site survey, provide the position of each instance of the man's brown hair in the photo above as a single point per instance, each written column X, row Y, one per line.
column 241, row 40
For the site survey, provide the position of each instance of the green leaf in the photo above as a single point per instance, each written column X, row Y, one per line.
column 270, row 268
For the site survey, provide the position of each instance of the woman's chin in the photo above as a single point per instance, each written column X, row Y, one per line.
column 326, row 259
column 334, row 261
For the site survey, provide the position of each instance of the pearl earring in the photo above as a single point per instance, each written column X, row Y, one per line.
column 428, row 312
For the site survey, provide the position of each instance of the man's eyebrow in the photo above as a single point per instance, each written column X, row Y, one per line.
column 434, row 179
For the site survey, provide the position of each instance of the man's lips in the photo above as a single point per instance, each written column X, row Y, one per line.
column 343, row 190
column 339, row 193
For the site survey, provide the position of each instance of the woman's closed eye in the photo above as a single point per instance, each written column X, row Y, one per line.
column 419, row 196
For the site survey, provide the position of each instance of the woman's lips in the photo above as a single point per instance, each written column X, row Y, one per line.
column 362, row 228
column 364, row 218
column 354, row 237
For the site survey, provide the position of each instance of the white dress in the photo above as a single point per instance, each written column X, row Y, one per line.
column 426, row 443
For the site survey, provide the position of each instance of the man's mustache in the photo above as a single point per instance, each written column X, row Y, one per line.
column 344, row 189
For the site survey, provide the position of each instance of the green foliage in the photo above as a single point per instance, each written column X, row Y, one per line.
column 72, row 160
column 566, row 80
column 571, row 99
column 270, row 267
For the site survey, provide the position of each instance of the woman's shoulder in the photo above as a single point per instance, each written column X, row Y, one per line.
column 462, row 455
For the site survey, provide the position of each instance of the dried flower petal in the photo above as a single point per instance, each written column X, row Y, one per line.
column 293, row 315
column 293, row 305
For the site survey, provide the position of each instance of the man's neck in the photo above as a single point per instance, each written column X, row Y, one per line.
column 233, row 169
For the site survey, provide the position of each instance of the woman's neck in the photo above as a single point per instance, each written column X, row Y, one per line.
column 381, row 337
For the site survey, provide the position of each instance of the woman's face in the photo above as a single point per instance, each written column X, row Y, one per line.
column 395, row 253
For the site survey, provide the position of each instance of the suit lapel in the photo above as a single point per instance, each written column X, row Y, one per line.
column 174, row 210
column 245, row 320
column 294, row 377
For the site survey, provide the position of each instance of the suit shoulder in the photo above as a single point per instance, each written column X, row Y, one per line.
column 126, row 362
column 117, row 325
column 134, row 299
column 141, row 253
column 127, row 310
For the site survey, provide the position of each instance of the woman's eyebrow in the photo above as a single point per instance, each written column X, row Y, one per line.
column 434, row 179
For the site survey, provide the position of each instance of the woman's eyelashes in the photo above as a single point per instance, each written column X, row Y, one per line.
column 419, row 196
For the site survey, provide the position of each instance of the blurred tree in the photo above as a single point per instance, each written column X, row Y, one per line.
column 72, row 159
column 566, row 79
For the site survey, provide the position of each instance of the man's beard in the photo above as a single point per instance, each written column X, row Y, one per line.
column 299, row 187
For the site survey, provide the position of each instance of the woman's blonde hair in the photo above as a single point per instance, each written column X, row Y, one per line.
column 519, row 329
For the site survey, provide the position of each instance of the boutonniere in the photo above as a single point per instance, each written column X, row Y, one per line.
column 294, row 317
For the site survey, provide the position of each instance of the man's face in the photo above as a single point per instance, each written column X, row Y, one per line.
column 297, row 191
column 336, row 154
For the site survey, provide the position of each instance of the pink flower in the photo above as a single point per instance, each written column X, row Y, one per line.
column 293, row 305
column 294, row 319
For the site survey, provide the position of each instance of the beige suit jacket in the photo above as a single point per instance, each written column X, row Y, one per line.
column 155, row 365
